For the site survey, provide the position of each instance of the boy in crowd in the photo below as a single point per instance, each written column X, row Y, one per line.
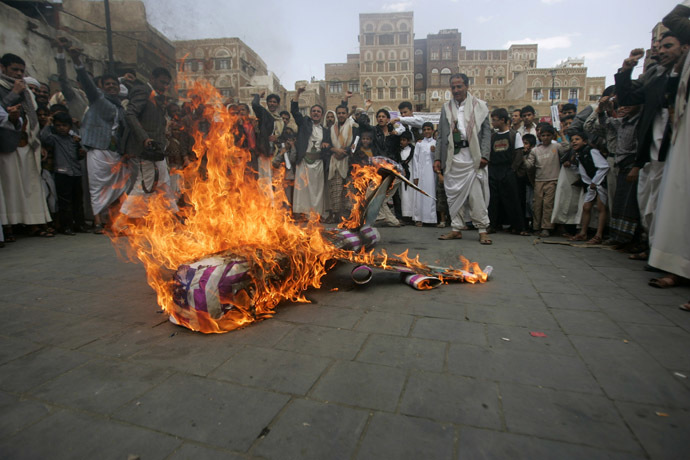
column 407, row 193
column 593, row 170
column 423, row 176
column 544, row 159
column 506, row 147
column 528, row 126
column 67, row 153
column 526, row 180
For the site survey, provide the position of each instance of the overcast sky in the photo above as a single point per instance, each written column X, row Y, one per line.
column 296, row 38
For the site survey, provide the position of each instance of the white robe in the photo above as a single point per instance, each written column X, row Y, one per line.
column 136, row 203
column 24, row 201
column 406, row 192
column 109, row 177
column 567, row 200
column 671, row 244
column 309, row 188
column 423, row 170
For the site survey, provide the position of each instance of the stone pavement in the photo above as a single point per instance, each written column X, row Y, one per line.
column 89, row 368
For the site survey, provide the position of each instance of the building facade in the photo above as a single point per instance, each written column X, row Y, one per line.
column 227, row 63
column 393, row 67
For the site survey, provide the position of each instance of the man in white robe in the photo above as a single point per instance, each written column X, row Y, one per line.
column 463, row 155
column 23, row 200
column 341, row 138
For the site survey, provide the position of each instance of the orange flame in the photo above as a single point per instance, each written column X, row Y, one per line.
column 228, row 211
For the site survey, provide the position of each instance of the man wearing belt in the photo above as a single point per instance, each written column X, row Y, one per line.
column 463, row 154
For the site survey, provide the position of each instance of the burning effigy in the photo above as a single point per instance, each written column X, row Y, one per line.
column 233, row 252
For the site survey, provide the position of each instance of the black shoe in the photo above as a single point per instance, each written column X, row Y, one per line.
column 69, row 232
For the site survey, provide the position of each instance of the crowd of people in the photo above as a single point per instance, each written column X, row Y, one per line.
column 608, row 174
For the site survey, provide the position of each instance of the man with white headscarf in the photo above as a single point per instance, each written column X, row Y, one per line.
column 463, row 155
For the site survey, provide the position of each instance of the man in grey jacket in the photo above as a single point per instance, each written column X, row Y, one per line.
column 101, row 133
column 462, row 156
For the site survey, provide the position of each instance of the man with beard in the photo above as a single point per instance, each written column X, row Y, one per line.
column 102, row 129
column 21, row 193
column 341, row 137
column 656, row 92
column 145, row 141
column 313, row 143
column 463, row 154
column 271, row 126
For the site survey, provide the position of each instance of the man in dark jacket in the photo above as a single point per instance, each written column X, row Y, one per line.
column 145, row 142
column 313, row 147
column 656, row 92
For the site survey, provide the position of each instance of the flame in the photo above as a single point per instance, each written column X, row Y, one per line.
column 227, row 211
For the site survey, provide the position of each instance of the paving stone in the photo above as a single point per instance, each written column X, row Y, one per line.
column 323, row 316
column 129, row 341
column 512, row 316
column 590, row 323
column 566, row 416
column 627, row 373
column 663, row 437
column 401, row 437
column 196, row 452
column 16, row 413
column 68, row 435
column 263, row 334
column 669, row 345
column 323, row 341
column 521, row 340
column 187, row 351
column 674, row 314
column 70, row 331
column 522, row 367
column 361, row 384
column 29, row 371
column 479, row 444
column 100, row 386
column 272, row 369
column 404, row 352
column 211, row 412
column 450, row 330
column 313, row 430
column 568, row 301
column 450, row 398
column 385, row 323
column 13, row 348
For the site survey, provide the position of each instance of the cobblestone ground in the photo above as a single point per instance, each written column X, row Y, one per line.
column 89, row 368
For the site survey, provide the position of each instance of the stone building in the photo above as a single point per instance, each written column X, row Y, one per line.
column 136, row 43
column 343, row 77
column 386, row 58
column 504, row 78
column 227, row 63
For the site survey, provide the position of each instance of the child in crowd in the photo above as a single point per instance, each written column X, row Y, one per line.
column 593, row 170
column 365, row 149
column 423, row 176
column 506, row 158
column 407, row 193
column 67, row 152
column 544, row 160
column 287, row 157
column 526, row 179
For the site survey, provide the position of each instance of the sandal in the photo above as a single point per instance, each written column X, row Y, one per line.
column 639, row 256
column 418, row 224
column 441, row 225
column 524, row 233
column 454, row 235
column 578, row 237
column 484, row 239
column 685, row 307
column 594, row 240
column 667, row 281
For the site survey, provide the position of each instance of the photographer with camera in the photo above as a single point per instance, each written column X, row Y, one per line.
column 145, row 143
